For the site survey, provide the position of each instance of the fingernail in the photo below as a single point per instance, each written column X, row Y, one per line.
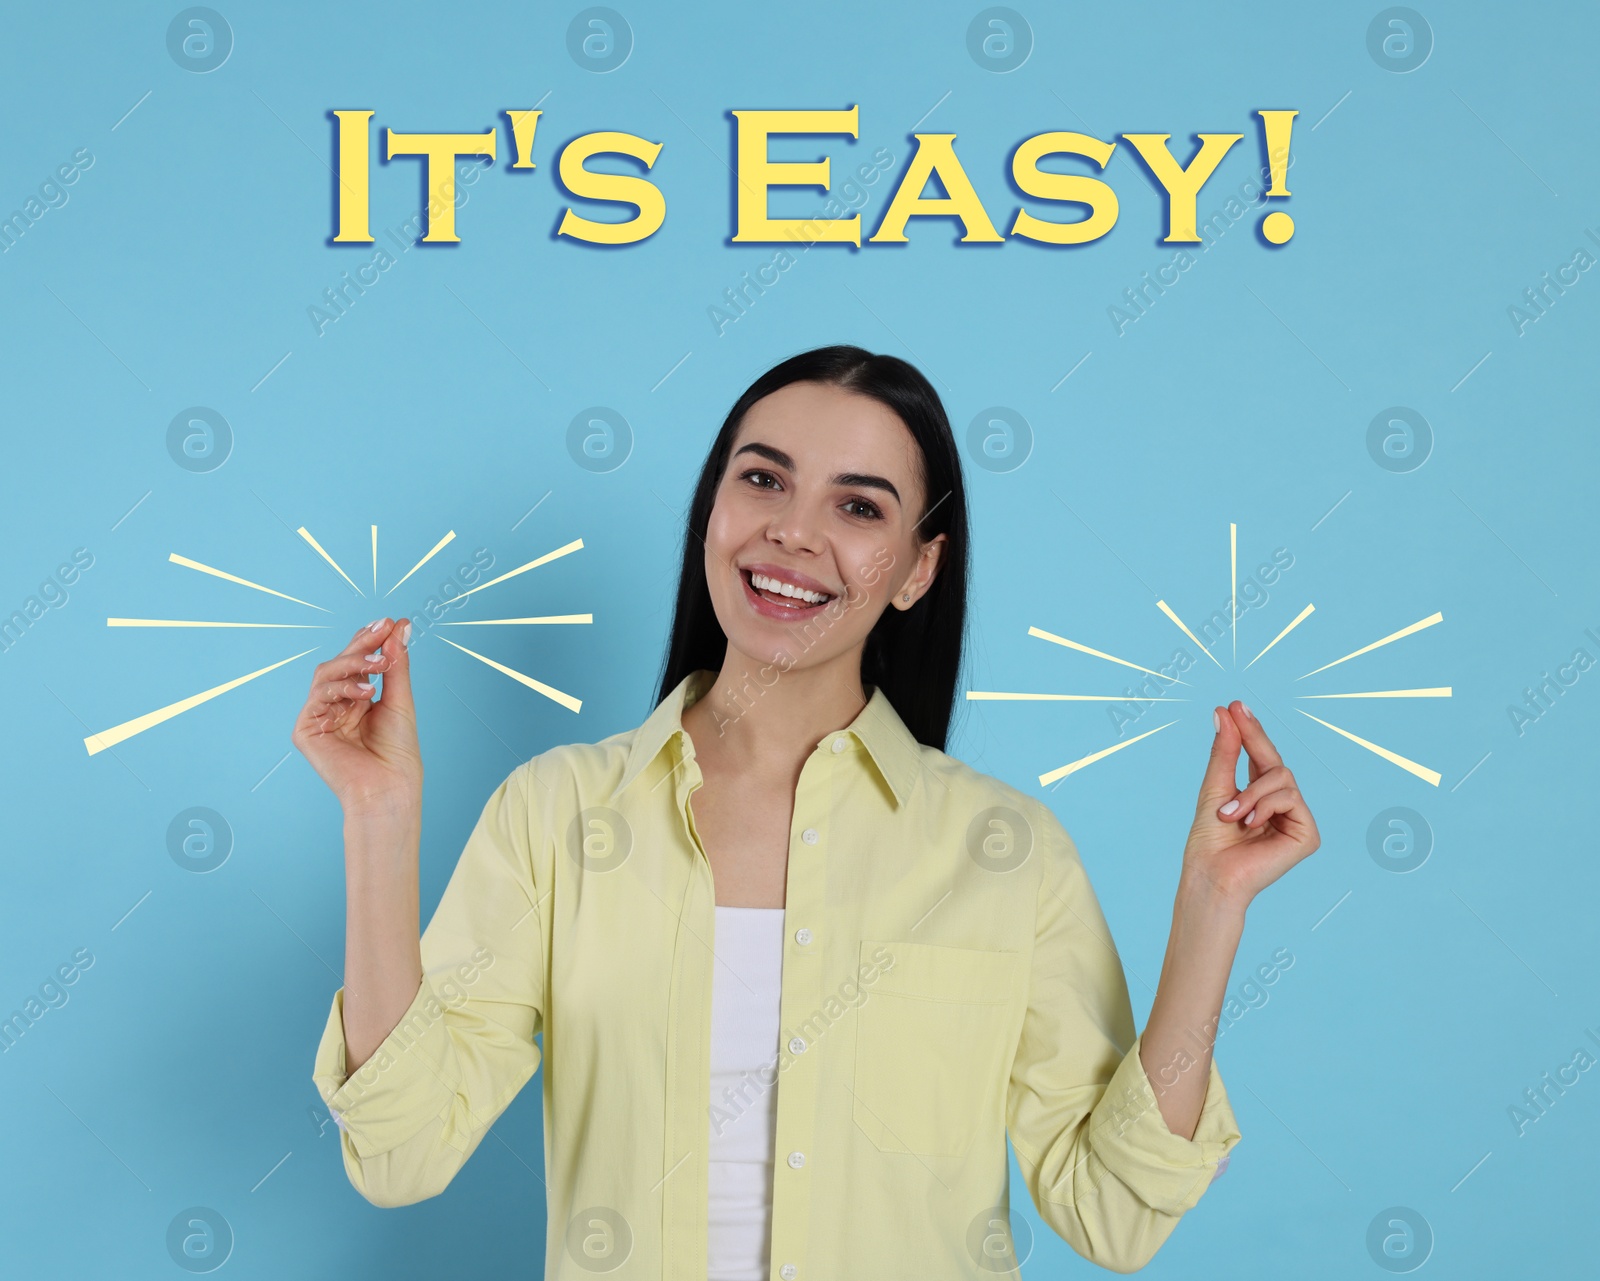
column 1216, row 721
column 365, row 687
column 1250, row 817
column 405, row 636
column 1231, row 806
column 373, row 625
column 1246, row 710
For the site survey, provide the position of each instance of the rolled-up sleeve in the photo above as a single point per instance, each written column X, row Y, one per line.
column 413, row 1113
column 1101, row 1166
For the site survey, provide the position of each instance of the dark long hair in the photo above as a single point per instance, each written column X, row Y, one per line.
column 913, row 655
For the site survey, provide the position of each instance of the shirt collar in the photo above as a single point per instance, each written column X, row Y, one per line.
column 893, row 750
column 664, row 724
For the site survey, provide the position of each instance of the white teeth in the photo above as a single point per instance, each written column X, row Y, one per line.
column 763, row 583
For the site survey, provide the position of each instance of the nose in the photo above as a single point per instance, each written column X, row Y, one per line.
column 796, row 528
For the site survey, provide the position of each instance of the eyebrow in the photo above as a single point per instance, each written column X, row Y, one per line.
column 859, row 480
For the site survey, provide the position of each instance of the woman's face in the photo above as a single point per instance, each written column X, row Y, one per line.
column 813, row 532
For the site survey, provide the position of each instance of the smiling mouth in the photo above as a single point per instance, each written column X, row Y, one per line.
column 782, row 595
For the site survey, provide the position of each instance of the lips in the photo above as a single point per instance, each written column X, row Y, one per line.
column 783, row 594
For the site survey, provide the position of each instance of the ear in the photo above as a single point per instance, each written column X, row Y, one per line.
column 929, row 557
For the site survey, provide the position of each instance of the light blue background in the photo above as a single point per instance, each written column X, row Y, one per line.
column 181, row 268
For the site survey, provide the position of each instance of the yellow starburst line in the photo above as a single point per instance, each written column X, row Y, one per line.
column 566, row 700
column 1084, row 649
column 243, row 582
column 992, row 696
column 575, row 545
column 1233, row 584
column 374, row 560
column 1303, row 615
column 306, row 534
column 1393, row 636
column 436, row 548
column 1165, row 609
column 1084, row 762
column 120, row 733
column 1437, row 691
column 194, row 622
column 1394, row 758
column 548, row 618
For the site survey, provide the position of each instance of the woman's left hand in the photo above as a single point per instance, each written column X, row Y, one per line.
column 1241, row 842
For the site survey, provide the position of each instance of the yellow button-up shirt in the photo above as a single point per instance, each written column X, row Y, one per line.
column 948, row 978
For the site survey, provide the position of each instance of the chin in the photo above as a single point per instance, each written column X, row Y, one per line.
column 788, row 645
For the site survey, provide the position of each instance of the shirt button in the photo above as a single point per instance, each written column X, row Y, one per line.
column 796, row 1160
column 797, row 1045
column 839, row 744
column 802, row 936
column 809, row 836
column 788, row 1272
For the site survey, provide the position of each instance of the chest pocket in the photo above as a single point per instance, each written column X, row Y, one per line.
column 934, row 1046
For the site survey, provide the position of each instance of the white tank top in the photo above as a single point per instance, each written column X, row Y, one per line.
column 745, row 996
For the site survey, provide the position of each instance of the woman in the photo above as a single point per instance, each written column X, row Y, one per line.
column 779, row 903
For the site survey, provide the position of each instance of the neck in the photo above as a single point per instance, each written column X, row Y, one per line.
column 770, row 720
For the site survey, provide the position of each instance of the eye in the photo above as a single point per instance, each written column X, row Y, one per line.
column 760, row 479
column 862, row 508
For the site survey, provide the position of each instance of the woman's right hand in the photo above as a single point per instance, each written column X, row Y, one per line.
column 365, row 751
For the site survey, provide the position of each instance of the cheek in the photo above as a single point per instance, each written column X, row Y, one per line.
column 878, row 565
column 723, row 540
column 869, row 570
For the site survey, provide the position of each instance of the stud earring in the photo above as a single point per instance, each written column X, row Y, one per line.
column 905, row 595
